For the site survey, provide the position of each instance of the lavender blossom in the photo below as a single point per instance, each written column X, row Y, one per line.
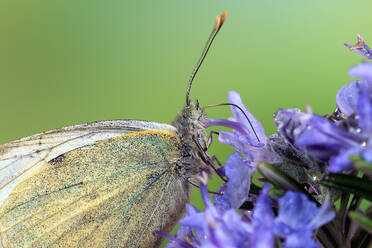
column 347, row 96
column 215, row 228
column 263, row 220
column 297, row 219
column 319, row 137
column 184, row 233
column 243, row 138
column 235, row 191
column 331, row 142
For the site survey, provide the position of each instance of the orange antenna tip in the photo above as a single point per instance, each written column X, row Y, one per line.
column 223, row 17
column 218, row 23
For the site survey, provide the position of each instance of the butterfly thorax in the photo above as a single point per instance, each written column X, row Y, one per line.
column 190, row 124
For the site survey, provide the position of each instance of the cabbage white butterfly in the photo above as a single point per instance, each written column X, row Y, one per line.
column 102, row 184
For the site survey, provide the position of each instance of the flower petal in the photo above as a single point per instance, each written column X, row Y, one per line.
column 253, row 154
column 263, row 237
column 234, row 98
column 291, row 123
column 314, row 134
column 298, row 217
column 196, row 221
column 341, row 162
column 235, row 140
column 324, row 139
column 239, row 174
column 301, row 240
column 263, row 212
column 295, row 211
column 367, row 153
column 324, row 215
column 363, row 70
column 263, row 218
column 368, row 50
column 226, row 123
column 365, row 110
column 346, row 98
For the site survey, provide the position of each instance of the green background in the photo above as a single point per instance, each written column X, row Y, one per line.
column 70, row 62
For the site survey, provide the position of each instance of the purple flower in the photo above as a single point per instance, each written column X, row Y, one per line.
column 364, row 107
column 235, row 191
column 248, row 134
column 184, row 233
column 216, row 228
column 298, row 217
column 363, row 70
column 315, row 134
column 347, row 96
column 291, row 123
column 319, row 137
column 225, row 228
column 263, row 220
column 361, row 48
column 332, row 142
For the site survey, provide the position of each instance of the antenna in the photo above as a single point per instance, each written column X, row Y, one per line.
column 216, row 28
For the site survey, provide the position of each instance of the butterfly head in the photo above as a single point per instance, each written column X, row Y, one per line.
column 191, row 123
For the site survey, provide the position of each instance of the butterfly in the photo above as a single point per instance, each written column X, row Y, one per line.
column 103, row 184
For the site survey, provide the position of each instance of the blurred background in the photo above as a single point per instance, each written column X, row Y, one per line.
column 70, row 62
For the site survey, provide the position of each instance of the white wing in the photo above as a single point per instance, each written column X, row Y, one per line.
column 20, row 158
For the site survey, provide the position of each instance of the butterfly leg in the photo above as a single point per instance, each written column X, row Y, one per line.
column 215, row 160
column 210, row 138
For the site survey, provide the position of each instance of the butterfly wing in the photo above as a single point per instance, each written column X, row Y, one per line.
column 20, row 158
column 110, row 193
